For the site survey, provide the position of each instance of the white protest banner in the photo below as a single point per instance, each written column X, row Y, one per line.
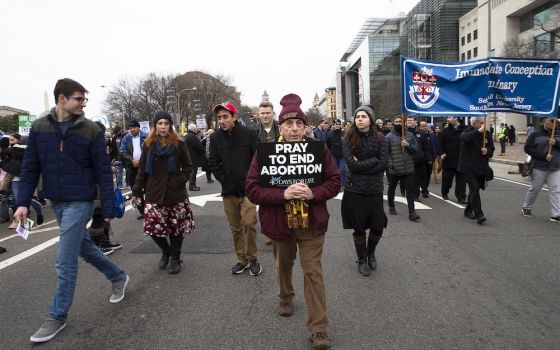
column 282, row 164
column 145, row 127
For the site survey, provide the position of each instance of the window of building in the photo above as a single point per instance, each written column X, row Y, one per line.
column 463, row 57
column 469, row 38
column 539, row 16
column 543, row 44
column 475, row 34
column 469, row 55
column 462, row 41
column 475, row 52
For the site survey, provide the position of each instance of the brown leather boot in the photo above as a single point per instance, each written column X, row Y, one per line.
column 286, row 308
column 320, row 340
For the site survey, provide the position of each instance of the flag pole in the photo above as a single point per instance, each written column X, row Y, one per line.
column 484, row 134
column 402, row 131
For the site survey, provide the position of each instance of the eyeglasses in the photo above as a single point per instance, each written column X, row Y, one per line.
column 80, row 99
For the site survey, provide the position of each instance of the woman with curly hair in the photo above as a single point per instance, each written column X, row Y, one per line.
column 165, row 167
column 366, row 154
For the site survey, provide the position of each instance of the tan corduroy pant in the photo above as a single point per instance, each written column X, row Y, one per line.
column 310, row 253
column 242, row 218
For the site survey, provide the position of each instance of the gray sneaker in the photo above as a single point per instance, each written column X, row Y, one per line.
column 48, row 330
column 119, row 288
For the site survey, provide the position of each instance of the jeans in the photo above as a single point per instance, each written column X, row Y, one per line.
column 120, row 170
column 503, row 146
column 75, row 241
column 341, row 164
column 36, row 206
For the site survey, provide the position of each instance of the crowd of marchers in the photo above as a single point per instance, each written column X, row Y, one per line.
column 161, row 165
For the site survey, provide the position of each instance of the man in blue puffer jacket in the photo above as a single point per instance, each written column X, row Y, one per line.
column 69, row 151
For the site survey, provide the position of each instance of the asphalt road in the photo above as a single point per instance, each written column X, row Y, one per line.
column 442, row 283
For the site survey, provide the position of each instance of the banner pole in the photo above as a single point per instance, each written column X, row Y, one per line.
column 484, row 134
column 402, row 131
column 552, row 136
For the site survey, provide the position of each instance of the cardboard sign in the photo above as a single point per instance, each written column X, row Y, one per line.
column 282, row 164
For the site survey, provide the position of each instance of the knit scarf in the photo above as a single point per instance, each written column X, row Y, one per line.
column 296, row 210
column 166, row 152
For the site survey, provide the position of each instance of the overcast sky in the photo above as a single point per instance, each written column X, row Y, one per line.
column 282, row 46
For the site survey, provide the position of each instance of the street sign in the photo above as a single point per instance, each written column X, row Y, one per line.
column 201, row 123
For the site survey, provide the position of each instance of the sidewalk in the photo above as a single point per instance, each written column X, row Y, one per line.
column 514, row 154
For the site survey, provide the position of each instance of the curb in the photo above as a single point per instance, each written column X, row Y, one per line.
column 505, row 161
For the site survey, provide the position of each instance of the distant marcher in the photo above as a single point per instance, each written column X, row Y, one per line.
column 503, row 138
column 322, row 131
column 197, row 154
column 79, row 146
column 116, row 156
column 165, row 167
column 206, row 145
column 546, row 168
column 305, row 230
column 511, row 135
column 232, row 147
column 366, row 153
column 130, row 151
column 334, row 143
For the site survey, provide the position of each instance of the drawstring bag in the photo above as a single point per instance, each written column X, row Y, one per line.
column 120, row 203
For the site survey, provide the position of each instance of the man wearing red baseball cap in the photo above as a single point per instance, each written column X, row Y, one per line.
column 232, row 147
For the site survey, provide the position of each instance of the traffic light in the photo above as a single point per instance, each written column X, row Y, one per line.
column 197, row 107
column 171, row 97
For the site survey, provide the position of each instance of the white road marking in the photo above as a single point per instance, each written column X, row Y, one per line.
column 448, row 201
column 417, row 205
column 519, row 183
column 201, row 200
column 32, row 232
column 16, row 258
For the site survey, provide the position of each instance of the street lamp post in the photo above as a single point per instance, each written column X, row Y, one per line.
column 123, row 108
column 179, row 99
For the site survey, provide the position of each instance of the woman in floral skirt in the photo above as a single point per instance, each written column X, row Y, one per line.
column 165, row 167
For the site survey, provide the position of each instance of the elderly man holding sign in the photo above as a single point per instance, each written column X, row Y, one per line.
column 292, row 180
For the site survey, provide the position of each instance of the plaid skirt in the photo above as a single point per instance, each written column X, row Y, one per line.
column 168, row 220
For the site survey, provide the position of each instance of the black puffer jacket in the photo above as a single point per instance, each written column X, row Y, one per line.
column 400, row 159
column 334, row 143
column 365, row 175
column 424, row 154
column 537, row 147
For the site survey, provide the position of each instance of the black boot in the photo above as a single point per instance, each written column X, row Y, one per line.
column 361, row 251
column 175, row 262
column 373, row 240
column 165, row 251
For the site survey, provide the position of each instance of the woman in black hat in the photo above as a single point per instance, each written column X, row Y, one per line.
column 366, row 155
column 165, row 167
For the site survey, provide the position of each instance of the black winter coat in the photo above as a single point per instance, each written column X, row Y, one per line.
column 450, row 145
column 334, row 143
column 471, row 160
column 424, row 154
column 12, row 161
column 231, row 154
column 196, row 151
column 365, row 175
